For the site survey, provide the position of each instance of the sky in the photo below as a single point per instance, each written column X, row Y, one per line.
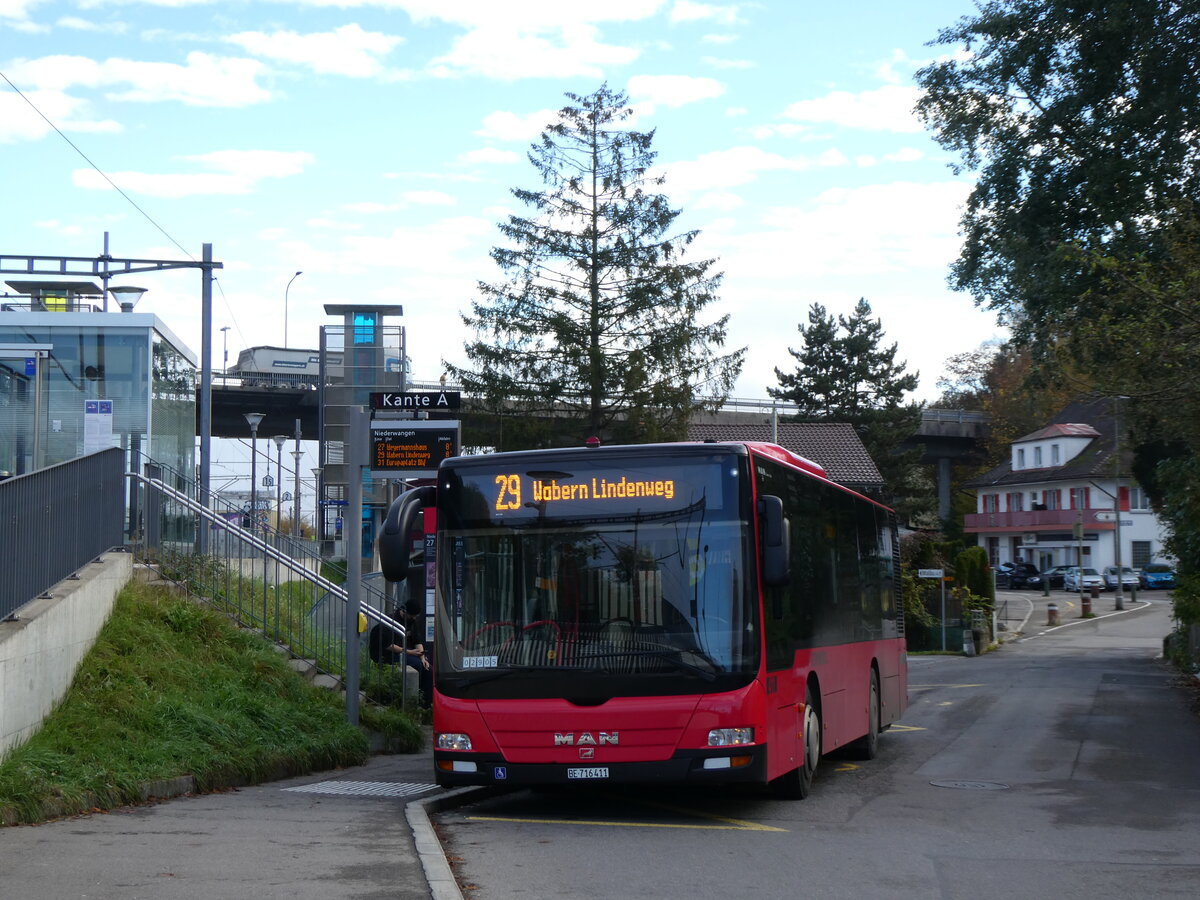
column 373, row 145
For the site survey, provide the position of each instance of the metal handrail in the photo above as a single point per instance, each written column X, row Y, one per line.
column 262, row 546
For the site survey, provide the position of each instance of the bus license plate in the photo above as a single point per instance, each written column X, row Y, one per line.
column 588, row 773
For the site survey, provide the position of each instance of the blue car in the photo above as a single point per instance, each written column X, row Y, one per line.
column 1158, row 575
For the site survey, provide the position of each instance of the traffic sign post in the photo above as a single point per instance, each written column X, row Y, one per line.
column 940, row 575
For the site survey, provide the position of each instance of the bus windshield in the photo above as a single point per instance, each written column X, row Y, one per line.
column 623, row 568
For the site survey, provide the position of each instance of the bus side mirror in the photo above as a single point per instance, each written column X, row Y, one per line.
column 774, row 541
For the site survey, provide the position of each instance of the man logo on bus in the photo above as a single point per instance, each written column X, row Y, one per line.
column 586, row 739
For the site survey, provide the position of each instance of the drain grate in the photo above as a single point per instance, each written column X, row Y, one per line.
column 971, row 785
column 363, row 788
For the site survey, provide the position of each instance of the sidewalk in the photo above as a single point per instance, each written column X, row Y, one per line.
column 337, row 835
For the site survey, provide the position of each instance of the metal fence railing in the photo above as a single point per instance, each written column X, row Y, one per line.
column 266, row 580
column 55, row 520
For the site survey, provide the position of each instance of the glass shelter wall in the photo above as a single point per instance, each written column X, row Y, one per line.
column 108, row 380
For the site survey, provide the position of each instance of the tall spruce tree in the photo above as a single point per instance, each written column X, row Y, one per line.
column 598, row 320
column 845, row 373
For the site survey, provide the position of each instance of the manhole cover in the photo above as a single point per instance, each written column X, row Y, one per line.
column 363, row 788
column 971, row 785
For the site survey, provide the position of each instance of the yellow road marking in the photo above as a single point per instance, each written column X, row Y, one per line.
column 735, row 824
column 906, row 728
column 923, row 687
column 846, row 767
column 726, row 823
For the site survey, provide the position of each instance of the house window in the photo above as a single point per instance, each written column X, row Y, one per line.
column 1081, row 498
column 1016, row 502
column 1141, row 555
column 1053, row 499
column 1021, row 458
column 1055, row 457
column 991, row 503
column 1138, row 498
column 1037, row 457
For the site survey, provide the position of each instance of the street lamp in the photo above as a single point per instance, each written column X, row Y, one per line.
column 296, row 454
column 318, row 525
column 285, row 306
column 225, row 351
column 127, row 295
column 280, row 440
column 253, row 419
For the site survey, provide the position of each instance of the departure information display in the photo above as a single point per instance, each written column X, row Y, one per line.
column 411, row 449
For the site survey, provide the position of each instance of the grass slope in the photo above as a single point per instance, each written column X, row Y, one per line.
column 172, row 688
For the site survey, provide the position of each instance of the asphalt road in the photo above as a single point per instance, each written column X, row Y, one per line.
column 1063, row 765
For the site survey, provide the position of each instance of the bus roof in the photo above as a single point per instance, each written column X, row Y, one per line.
column 759, row 447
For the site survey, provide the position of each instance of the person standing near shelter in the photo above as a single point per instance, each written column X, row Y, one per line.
column 387, row 645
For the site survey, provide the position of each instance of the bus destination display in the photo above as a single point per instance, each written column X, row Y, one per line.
column 512, row 491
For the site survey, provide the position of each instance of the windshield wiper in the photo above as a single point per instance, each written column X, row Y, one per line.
column 672, row 657
column 493, row 674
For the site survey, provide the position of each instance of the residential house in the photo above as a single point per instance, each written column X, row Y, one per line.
column 835, row 446
column 1066, row 496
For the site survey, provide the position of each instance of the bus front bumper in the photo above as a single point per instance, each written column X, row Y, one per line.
column 723, row 765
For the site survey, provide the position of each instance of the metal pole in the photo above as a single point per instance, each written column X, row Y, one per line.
column 356, row 460
column 943, row 581
column 296, row 454
column 253, row 476
column 1117, row 500
column 205, row 411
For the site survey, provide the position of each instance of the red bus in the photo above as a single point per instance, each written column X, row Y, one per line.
column 692, row 613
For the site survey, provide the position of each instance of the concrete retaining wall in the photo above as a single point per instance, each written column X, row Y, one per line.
column 40, row 652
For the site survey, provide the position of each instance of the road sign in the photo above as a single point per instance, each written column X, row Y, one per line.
column 931, row 573
column 1105, row 515
column 424, row 401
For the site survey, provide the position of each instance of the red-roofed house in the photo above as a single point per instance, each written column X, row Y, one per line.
column 1067, row 479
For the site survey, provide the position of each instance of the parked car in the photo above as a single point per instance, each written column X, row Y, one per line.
column 1129, row 578
column 1158, row 575
column 1078, row 578
column 1018, row 575
column 1054, row 576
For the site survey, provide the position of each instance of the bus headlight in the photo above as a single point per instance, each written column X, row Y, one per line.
column 454, row 742
column 730, row 737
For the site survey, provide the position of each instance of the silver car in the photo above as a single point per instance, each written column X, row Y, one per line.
column 1129, row 578
column 1083, row 578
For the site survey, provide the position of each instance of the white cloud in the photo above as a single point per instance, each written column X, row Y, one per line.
column 15, row 14
column 508, row 52
column 205, row 80
column 490, row 156
column 348, row 50
column 20, row 122
column 718, row 63
column 688, row 11
column 673, row 90
column 508, row 126
column 719, row 200
column 888, row 108
column 737, row 166
column 237, row 172
column 428, row 198
column 547, row 13
column 74, row 23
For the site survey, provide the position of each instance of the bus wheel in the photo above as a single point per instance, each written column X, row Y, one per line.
column 796, row 784
column 867, row 746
